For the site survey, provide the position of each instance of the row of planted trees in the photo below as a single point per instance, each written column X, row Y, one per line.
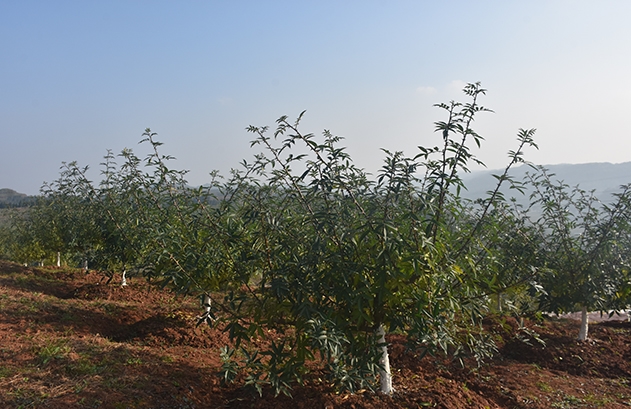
column 304, row 248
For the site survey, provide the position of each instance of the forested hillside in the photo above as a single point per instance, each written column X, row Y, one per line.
column 604, row 178
column 11, row 198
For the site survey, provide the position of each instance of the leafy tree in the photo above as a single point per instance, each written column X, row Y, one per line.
column 340, row 259
column 20, row 239
column 507, row 243
column 122, row 223
column 62, row 221
column 581, row 246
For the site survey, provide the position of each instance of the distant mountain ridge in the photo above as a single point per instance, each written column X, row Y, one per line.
column 11, row 198
column 603, row 177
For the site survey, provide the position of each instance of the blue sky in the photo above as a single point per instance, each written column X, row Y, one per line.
column 80, row 77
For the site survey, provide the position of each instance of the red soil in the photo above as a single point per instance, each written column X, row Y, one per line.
column 69, row 340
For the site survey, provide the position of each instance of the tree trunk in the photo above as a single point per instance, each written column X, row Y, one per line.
column 59, row 259
column 582, row 334
column 85, row 265
column 385, row 375
column 206, row 304
column 124, row 279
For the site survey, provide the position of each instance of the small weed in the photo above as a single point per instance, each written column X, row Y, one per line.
column 53, row 350
column 80, row 386
column 84, row 367
column 114, row 382
column 134, row 361
column 25, row 398
column 544, row 387
column 167, row 359
column 110, row 309
column 569, row 401
column 96, row 403
column 5, row 372
column 598, row 401
column 30, row 305
column 573, row 399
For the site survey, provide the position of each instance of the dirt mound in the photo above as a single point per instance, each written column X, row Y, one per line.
column 605, row 354
column 170, row 330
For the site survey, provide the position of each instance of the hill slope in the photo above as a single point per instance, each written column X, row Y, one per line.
column 11, row 198
column 603, row 178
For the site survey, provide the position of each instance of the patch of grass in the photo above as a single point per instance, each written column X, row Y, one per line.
column 56, row 349
column 569, row 402
column 110, row 308
column 80, row 386
column 114, row 382
column 167, row 359
column 623, row 382
column 84, row 366
column 134, row 361
column 544, row 387
column 598, row 401
column 26, row 398
column 29, row 303
column 22, row 281
column 92, row 403
column 5, row 372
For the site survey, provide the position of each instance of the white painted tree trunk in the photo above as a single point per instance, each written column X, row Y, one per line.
column 124, row 279
column 206, row 304
column 85, row 265
column 58, row 259
column 582, row 334
column 385, row 376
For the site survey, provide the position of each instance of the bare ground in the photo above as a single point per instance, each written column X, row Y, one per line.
column 68, row 340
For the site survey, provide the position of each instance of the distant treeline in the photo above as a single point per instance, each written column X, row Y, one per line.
column 11, row 198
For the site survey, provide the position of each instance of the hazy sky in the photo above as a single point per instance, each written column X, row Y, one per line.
column 80, row 77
